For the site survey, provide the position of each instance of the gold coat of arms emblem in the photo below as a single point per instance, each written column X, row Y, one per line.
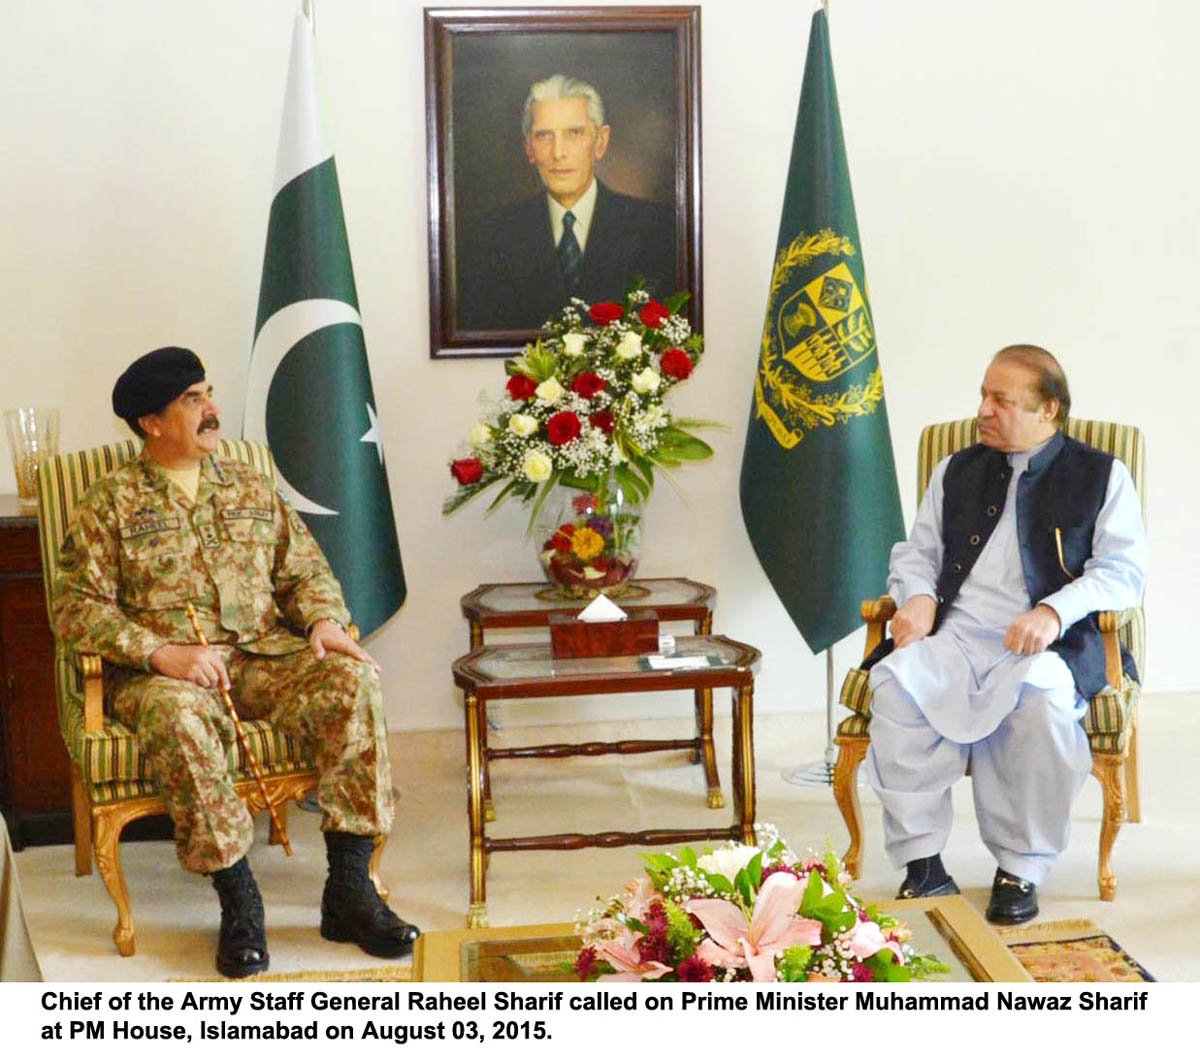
column 811, row 338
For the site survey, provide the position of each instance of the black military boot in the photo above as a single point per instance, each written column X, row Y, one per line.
column 351, row 908
column 242, row 948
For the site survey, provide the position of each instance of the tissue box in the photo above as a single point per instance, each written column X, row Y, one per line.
column 636, row 635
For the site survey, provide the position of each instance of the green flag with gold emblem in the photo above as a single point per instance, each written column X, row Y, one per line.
column 818, row 485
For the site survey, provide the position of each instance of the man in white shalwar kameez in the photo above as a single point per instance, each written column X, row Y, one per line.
column 994, row 656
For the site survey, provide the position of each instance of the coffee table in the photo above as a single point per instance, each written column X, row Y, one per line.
column 948, row 927
column 530, row 604
column 530, row 671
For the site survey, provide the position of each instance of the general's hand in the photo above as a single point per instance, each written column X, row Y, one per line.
column 1033, row 631
column 192, row 662
column 914, row 620
column 326, row 636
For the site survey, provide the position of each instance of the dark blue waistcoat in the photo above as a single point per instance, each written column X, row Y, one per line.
column 1062, row 489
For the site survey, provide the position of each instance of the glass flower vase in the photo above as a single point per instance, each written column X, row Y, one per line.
column 589, row 540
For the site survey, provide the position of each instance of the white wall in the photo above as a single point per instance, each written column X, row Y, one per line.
column 1024, row 171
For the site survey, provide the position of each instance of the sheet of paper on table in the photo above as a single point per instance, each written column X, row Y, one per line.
column 678, row 662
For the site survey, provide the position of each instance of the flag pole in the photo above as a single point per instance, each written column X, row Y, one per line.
column 819, row 773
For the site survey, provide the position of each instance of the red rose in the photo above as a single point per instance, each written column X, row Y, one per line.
column 521, row 387
column 606, row 312
column 587, row 384
column 605, row 421
column 560, row 542
column 563, row 427
column 676, row 363
column 467, row 471
column 654, row 314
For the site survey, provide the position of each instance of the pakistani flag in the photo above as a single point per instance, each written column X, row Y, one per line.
column 818, row 484
column 310, row 395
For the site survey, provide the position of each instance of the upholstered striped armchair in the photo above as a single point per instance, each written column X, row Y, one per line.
column 1111, row 720
column 112, row 784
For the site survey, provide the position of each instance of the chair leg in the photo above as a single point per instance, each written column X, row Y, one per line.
column 1108, row 769
column 81, row 819
column 107, row 827
column 1133, row 787
column 376, row 857
column 851, row 751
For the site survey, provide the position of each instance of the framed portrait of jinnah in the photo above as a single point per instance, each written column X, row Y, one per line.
column 563, row 149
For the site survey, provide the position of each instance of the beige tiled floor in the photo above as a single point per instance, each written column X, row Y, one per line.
column 1157, row 861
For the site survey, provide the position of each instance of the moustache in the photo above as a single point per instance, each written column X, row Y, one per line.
column 209, row 423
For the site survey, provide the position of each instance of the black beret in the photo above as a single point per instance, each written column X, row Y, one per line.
column 153, row 381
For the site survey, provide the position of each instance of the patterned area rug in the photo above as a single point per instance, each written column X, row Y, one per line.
column 382, row 974
column 1071, row 950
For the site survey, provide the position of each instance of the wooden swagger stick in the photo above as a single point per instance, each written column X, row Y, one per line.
column 226, row 698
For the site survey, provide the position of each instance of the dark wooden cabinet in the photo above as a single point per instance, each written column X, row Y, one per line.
column 35, row 774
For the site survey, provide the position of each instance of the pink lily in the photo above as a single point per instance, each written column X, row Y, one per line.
column 773, row 927
column 641, row 894
column 630, row 967
column 865, row 939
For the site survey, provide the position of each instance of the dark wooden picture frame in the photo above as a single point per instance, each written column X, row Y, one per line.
column 479, row 66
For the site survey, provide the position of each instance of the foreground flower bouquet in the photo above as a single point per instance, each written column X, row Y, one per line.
column 745, row 913
column 583, row 409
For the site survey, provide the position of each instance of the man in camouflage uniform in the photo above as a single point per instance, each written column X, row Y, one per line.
column 180, row 526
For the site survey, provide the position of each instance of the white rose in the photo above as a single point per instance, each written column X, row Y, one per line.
column 480, row 435
column 573, row 343
column 646, row 381
column 537, row 466
column 728, row 861
column 550, row 391
column 652, row 417
column 630, row 345
column 522, row 425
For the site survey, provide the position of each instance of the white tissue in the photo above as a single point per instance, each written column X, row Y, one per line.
column 602, row 609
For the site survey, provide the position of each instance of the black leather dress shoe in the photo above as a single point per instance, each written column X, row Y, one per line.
column 1014, row 900
column 926, row 878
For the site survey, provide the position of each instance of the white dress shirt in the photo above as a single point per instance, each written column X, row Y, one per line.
column 583, row 211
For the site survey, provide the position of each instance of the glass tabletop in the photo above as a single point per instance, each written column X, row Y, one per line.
column 550, row 959
column 535, row 661
column 535, row 597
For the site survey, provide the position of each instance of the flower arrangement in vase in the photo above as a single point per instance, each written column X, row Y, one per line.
column 583, row 415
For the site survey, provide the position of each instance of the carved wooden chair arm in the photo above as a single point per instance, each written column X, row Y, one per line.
column 1111, row 621
column 876, row 613
column 92, row 669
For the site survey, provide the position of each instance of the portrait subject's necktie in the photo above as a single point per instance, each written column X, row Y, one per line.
column 570, row 257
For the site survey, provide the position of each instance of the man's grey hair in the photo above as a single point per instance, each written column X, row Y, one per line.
column 560, row 86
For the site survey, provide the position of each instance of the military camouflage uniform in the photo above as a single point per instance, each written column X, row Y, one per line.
column 138, row 553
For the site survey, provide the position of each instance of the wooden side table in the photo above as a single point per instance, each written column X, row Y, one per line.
column 529, row 671
column 529, row 604
column 35, row 774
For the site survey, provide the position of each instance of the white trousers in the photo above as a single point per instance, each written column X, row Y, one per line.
column 1025, row 774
